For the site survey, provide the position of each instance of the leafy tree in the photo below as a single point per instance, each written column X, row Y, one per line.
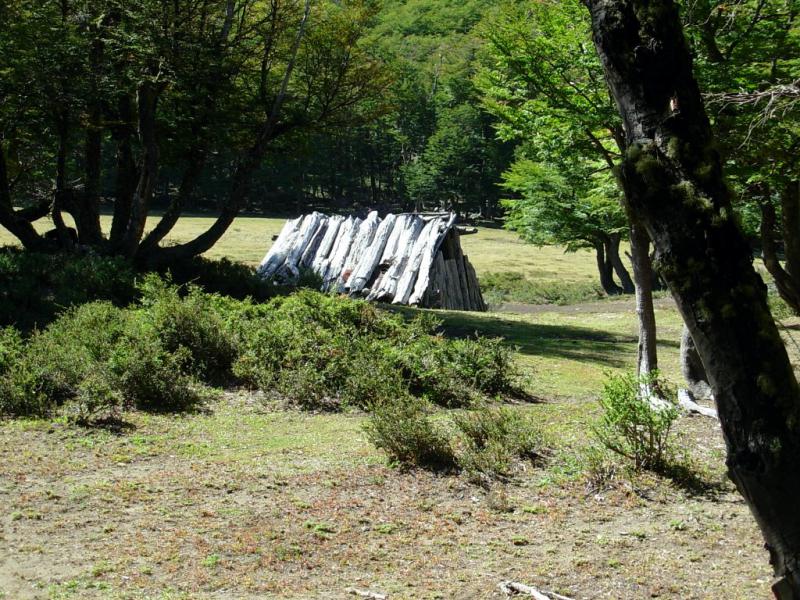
column 183, row 87
column 674, row 183
column 749, row 69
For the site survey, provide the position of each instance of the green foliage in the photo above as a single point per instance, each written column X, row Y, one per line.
column 309, row 349
column 630, row 426
column 321, row 351
column 492, row 440
column 515, row 287
column 35, row 287
column 404, row 429
column 188, row 324
column 487, row 443
column 99, row 359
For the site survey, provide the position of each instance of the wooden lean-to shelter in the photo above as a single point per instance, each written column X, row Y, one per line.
column 403, row 259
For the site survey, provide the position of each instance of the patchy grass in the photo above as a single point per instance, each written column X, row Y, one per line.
column 238, row 501
column 293, row 505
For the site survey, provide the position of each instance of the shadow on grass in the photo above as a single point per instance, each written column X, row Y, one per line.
column 685, row 476
column 112, row 424
column 553, row 341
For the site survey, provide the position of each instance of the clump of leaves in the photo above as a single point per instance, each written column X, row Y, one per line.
column 631, row 426
column 487, row 443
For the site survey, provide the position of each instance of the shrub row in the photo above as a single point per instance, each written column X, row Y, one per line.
column 308, row 349
column 36, row 287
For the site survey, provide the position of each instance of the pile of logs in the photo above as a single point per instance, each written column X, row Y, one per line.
column 403, row 259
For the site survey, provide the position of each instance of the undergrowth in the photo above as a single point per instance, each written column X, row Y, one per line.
column 170, row 349
column 486, row 442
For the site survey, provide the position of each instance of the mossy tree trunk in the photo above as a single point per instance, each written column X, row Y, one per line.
column 674, row 185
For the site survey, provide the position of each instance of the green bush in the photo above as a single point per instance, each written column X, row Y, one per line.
column 405, row 431
column 630, row 426
column 191, row 325
column 515, row 287
column 311, row 350
column 98, row 359
column 491, row 441
column 315, row 349
column 487, row 443
column 36, row 287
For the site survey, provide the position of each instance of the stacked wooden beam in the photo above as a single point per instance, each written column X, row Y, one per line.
column 404, row 259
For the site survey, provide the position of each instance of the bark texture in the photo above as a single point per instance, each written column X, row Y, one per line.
column 645, row 314
column 674, row 185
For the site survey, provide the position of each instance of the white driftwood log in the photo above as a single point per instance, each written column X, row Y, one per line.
column 277, row 254
column 371, row 256
column 361, row 243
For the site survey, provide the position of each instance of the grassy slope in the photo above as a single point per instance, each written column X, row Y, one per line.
column 246, row 504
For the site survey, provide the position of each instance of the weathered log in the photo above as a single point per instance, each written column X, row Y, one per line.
column 372, row 255
column 277, row 254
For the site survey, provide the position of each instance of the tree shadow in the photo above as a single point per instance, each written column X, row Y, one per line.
column 569, row 342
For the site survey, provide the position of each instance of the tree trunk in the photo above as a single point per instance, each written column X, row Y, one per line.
column 147, row 103
column 87, row 216
column 674, row 184
column 170, row 217
column 606, row 271
column 125, row 177
column 786, row 285
column 612, row 252
column 19, row 226
column 693, row 370
column 645, row 314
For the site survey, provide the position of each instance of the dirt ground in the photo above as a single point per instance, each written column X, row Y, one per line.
column 242, row 504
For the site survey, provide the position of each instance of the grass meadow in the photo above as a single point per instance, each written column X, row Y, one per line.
column 242, row 501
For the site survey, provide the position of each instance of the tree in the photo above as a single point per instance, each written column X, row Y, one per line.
column 183, row 88
column 578, row 208
column 544, row 83
column 748, row 69
column 674, row 184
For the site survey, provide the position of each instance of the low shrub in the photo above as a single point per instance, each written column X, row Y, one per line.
column 515, row 287
column 487, row 443
column 315, row 349
column 405, row 431
column 630, row 426
column 309, row 349
column 190, row 324
column 98, row 359
column 491, row 441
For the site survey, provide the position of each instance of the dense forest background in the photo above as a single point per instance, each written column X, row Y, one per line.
column 494, row 109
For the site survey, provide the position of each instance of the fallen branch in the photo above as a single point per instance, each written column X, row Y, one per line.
column 366, row 594
column 512, row 588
